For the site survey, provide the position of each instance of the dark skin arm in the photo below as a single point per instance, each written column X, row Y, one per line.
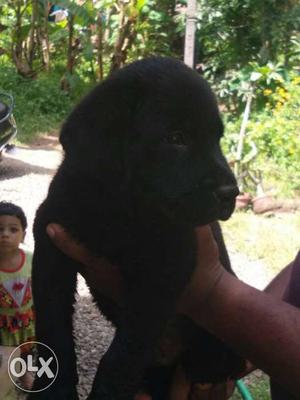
column 105, row 276
column 261, row 327
column 278, row 285
column 258, row 325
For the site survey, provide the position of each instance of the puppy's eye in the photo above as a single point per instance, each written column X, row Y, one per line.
column 176, row 137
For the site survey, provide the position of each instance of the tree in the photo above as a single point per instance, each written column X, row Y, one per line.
column 232, row 33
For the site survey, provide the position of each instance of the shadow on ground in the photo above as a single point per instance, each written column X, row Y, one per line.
column 46, row 142
column 11, row 168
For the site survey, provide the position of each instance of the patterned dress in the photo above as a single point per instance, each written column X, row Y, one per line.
column 16, row 305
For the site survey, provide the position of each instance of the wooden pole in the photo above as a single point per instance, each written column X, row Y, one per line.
column 190, row 30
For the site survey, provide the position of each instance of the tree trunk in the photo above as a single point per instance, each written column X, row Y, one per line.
column 100, row 46
column 33, row 31
column 44, row 39
column 18, row 57
column 126, row 36
column 73, row 49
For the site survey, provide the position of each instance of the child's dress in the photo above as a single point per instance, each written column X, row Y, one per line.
column 16, row 304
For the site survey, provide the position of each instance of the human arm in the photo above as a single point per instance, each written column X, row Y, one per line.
column 260, row 327
column 279, row 284
column 182, row 389
column 105, row 276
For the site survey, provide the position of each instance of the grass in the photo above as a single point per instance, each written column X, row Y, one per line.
column 274, row 240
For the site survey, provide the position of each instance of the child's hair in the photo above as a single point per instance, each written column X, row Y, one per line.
column 13, row 210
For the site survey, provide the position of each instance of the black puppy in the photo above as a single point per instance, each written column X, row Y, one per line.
column 142, row 168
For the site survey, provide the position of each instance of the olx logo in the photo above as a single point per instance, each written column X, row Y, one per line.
column 43, row 367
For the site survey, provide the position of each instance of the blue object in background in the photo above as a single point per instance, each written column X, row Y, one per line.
column 57, row 13
column 246, row 395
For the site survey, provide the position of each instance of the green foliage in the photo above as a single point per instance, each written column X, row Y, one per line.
column 232, row 33
column 159, row 30
column 259, row 78
column 242, row 47
column 275, row 130
column 40, row 105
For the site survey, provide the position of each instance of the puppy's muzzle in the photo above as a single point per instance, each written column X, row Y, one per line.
column 226, row 193
column 225, row 196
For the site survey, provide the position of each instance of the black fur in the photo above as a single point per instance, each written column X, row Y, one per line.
column 142, row 168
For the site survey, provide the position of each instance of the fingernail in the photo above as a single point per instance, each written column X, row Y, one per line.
column 50, row 231
column 204, row 386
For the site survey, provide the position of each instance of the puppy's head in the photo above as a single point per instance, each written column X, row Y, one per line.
column 153, row 129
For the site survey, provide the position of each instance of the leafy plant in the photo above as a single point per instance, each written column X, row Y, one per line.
column 275, row 130
column 261, row 79
column 40, row 105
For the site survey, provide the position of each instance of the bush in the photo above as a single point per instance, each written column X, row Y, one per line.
column 40, row 105
column 276, row 134
column 277, row 131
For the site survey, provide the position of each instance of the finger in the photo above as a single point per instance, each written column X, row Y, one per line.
column 100, row 273
column 218, row 392
column 230, row 388
column 248, row 369
column 223, row 391
column 63, row 240
column 204, row 231
column 142, row 396
column 201, row 391
column 207, row 248
column 204, row 234
column 180, row 387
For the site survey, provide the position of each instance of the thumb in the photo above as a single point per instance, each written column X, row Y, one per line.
column 69, row 246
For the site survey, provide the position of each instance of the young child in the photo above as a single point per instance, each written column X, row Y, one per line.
column 16, row 305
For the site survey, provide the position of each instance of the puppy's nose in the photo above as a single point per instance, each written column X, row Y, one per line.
column 227, row 192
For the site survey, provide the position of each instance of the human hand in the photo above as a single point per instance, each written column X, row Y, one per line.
column 98, row 271
column 182, row 389
column 217, row 391
column 107, row 279
column 206, row 275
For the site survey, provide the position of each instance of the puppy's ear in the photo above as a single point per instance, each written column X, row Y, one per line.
column 97, row 133
column 105, row 113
